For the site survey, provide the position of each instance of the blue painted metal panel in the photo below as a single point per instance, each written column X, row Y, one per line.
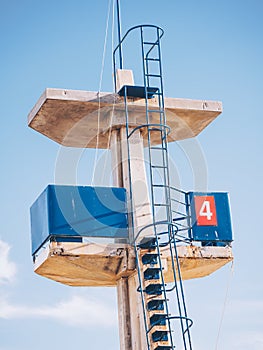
column 216, row 210
column 68, row 213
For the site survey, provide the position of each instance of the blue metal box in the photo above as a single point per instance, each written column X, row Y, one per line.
column 210, row 218
column 78, row 211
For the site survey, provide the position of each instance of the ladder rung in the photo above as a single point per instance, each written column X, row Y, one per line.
column 163, row 347
column 155, row 110
column 152, row 59
column 161, row 205
column 182, row 218
column 159, row 166
column 151, row 43
column 177, row 201
column 180, row 213
column 159, row 148
column 153, row 75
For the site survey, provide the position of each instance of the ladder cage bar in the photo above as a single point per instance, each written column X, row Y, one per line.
column 159, row 127
column 119, row 47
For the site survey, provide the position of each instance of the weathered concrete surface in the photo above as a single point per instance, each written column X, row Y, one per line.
column 91, row 264
column 74, row 118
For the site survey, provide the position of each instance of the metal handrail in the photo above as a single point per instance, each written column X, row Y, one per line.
column 118, row 47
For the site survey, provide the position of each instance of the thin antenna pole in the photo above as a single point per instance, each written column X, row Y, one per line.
column 119, row 31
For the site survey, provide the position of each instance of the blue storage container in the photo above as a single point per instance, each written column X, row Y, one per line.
column 68, row 213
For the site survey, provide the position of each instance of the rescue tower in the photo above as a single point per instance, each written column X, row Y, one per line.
column 158, row 235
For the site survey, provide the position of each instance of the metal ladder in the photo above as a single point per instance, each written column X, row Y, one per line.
column 165, row 327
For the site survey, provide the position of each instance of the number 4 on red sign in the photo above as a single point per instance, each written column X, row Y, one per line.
column 205, row 210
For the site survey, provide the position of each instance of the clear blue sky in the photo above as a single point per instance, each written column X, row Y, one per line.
column 211, row 50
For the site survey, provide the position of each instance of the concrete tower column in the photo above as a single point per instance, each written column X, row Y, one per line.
column 131, row 324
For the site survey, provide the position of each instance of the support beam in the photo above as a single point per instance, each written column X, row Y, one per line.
column 131, row 324
column 124, row 312
column 139, row 204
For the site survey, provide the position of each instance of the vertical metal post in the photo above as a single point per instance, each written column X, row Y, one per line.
column 119, row 32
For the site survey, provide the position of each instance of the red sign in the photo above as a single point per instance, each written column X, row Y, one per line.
column 205, row 209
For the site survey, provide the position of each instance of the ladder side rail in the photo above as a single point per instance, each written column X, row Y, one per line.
column 148, row 128
column 151, row 177
column 165, row 292
column 146, row 81
column 183, row 299
column 166, row 177
column 181, row 310
column 146, row 64
column 160, row 103
column 167, row 180
column 178, row 288
column 182, row 317
column 147, row 58
column 159, row 75
column 161, row 72
column 165, row 162
column 174, row 254
column 145, row 68
column 149, row 327
column 141, row 290
column 165, row 154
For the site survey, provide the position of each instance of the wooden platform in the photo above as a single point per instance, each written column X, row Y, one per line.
column 78, row 264
column 74, row 118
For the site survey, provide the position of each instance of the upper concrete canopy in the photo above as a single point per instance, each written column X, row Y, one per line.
column 85, row 119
